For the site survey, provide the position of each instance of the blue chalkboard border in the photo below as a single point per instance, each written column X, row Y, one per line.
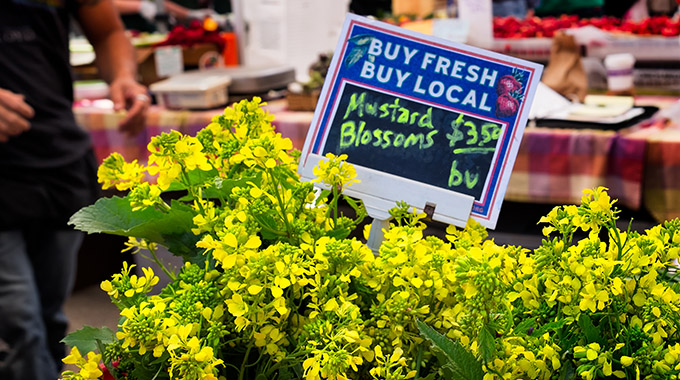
column 485, row 209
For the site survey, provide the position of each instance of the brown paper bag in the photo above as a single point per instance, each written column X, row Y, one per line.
column 565, row 73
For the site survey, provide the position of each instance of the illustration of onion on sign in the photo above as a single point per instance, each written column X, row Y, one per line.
column 424, row 120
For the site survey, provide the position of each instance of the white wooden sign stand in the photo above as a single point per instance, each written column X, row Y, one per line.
column 447, row 206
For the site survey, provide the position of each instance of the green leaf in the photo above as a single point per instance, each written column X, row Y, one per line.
column 568, row 371
column 196, row 177
column 184, row 245
column 149, row 372
column 487, row 344
column 430, row 376
column 339, row 233
column 225, row 186
column 87, row 337
column 524, row 326
column 110, row 215
column 456, row 362
column 115, row 216
column 323, row 196
column 552, row 326
column 269, row 226
column 590, row 331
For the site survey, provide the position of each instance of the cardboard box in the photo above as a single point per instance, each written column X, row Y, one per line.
column 191, row 56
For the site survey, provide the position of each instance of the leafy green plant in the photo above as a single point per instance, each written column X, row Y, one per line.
column 273, row 286
column 456, row 361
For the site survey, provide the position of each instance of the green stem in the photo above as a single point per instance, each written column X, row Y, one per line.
column 336, row 195
column 282, row 205
column 160, row 264
column 294, row 358
column 164, row 206
column 244, row 362
column 419, row 360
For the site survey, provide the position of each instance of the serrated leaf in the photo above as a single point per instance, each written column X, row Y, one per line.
column 184, row 244
column 552, row 326
column 524, row 326
column 87, row 337
column 590, row 331
column 111, row 215
column 114, row 216
column 487, row 344
column 456, row 362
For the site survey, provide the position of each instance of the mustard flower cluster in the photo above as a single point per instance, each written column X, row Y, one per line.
column 274, row 287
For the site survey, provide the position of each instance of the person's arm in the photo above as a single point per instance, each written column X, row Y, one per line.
column 101, row 25
column 127, row 7
column 177, row 11
column 148, row 9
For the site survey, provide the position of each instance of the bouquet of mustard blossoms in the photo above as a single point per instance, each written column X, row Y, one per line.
column 274, row 286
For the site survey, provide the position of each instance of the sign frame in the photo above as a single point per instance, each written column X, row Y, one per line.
column 381, row 190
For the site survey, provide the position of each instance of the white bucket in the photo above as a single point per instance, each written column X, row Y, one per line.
column 619, row 71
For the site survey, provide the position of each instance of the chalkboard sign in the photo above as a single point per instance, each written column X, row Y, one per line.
column 438, row 122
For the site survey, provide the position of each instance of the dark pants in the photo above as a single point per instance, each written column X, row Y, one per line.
column 38, row 252
column 37, row 270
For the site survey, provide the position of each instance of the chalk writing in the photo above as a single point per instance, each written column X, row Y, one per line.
column 440, row 146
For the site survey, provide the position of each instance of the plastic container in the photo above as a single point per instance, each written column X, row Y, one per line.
column 620, row 73
column 257, row 79
column 193, row 90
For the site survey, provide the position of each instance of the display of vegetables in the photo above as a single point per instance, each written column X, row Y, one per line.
column 513, row 27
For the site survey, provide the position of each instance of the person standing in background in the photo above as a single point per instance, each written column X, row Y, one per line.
column 48, row 168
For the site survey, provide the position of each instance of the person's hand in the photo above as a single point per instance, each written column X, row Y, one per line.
column 14, row 114
column 148, row 10
column 127, row 94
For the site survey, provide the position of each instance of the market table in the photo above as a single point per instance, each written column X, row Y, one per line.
column 640, row 166
column 661, row 181
column 98, row 118
column 554, row 165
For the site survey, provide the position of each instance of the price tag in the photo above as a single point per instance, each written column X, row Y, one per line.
column 169, row 61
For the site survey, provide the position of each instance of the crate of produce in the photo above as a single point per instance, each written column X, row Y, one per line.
column 533, row 49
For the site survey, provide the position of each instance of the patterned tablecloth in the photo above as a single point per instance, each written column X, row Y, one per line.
column 555, row 165
column 102, row 123
column 640, row 166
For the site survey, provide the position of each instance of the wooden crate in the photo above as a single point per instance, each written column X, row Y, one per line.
column 302, row 101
